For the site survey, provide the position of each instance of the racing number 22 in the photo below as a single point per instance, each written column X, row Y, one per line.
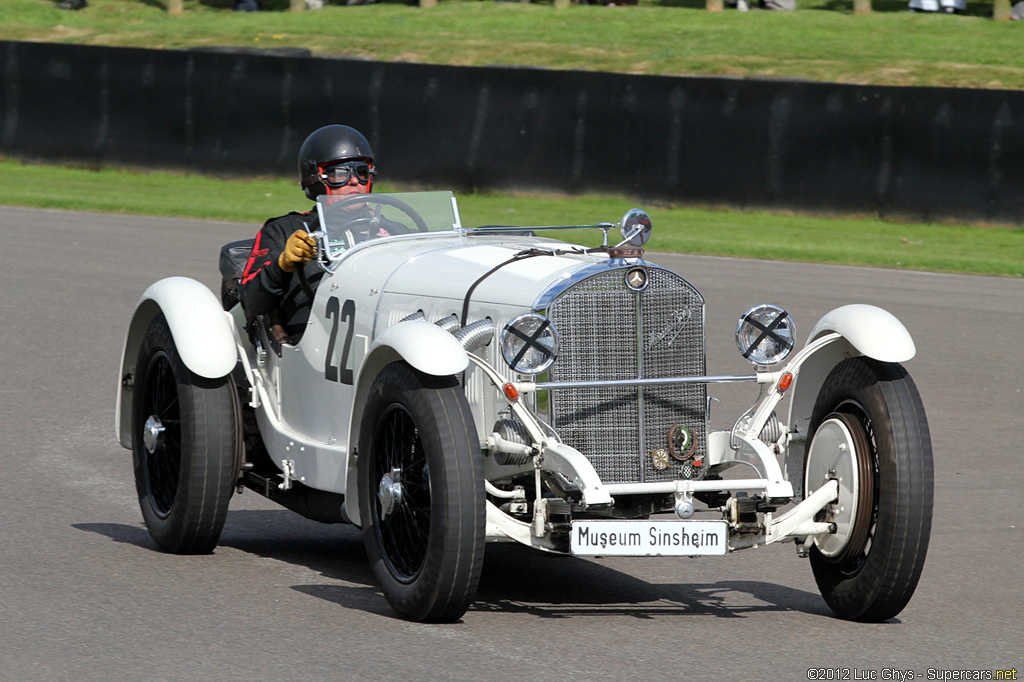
column 339, row 313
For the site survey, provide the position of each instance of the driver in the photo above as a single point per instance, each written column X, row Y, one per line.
column 333, row 160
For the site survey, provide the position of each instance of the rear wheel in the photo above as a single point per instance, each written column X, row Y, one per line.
column 869, row 431
column 421, row 493
column 184, row 446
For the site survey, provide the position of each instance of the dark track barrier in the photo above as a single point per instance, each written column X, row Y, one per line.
column 923, row 153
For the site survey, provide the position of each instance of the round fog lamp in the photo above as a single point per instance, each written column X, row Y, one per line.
column 765, row 334
column 529, row 344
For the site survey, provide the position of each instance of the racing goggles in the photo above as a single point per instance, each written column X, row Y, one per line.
column 339, row 174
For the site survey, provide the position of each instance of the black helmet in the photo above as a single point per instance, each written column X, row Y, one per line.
column 327, row 145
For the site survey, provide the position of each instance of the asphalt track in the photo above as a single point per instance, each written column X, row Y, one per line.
column 84, row 595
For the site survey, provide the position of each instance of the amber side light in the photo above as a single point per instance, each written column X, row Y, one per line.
column 785, row 381
column 510, row 392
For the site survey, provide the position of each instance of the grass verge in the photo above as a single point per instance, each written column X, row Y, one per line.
column 990, row 250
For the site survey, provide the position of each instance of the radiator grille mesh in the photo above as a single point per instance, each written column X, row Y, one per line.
column 608, row 331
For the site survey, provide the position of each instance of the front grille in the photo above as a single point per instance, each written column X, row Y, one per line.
column 608, row 331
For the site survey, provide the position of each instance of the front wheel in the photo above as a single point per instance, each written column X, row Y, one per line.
column 869, row 432
column 184, row 446
column 421, row 493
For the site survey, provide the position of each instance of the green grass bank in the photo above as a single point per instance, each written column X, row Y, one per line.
column 989, row 250
column 823, row 41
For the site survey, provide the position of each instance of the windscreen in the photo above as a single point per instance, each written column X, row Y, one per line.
column 348, row 220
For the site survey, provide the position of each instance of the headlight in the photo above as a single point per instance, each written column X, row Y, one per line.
column 529, row 343
column 765, row 334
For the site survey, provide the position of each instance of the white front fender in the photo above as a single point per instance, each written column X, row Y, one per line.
column 201, row 330
column 425, row 346
column 873, row 331
column 862, row 330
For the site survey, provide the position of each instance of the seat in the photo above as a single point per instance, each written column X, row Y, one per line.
column 233, row 258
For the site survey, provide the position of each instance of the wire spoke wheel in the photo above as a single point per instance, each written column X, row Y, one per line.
column 185, row 446
column 162, row 460
column 421, row 493
column 402, row 507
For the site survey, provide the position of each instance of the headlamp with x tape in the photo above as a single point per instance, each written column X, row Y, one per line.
column 529, row 343
column 765, row 334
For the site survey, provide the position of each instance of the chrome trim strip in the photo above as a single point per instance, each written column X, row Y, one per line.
column 544, row 301
column 457, row 225
column 622, row 383
column 500, row 229
column 638, row 309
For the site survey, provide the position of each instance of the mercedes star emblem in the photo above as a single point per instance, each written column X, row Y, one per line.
column 636, row 279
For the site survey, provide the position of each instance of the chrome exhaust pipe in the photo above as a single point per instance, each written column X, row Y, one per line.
column 475, row 335
column 449, row 324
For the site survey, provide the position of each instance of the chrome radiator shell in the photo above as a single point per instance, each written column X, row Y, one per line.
column 609, row 331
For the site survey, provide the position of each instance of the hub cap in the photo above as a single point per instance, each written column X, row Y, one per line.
column 840, row 451
column 390, row 492
column 151, row 433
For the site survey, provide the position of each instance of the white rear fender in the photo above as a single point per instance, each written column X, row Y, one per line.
column 201, row 330
column 874, row 332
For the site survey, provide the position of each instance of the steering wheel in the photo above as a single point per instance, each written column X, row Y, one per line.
column 384, row 200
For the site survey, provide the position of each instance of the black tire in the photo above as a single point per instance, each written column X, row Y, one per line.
column 426, row 545
column 876, row 580
column 185, row 446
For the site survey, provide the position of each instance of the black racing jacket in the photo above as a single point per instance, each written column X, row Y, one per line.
column 266, row 288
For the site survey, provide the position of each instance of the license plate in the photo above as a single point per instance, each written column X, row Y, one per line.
column 649, row 538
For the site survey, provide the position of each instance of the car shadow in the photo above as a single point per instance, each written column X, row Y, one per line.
column 514, row 579
column 119, row 532
column 334, row 551
column 520, row 580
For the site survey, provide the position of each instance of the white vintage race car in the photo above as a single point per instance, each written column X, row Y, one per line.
column 460, row 385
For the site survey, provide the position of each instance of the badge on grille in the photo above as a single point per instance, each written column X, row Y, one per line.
column 681, row 443
column 636, row 279
column 659, row 458
column 672, row 330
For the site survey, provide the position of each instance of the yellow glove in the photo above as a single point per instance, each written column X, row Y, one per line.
column 300, row 248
